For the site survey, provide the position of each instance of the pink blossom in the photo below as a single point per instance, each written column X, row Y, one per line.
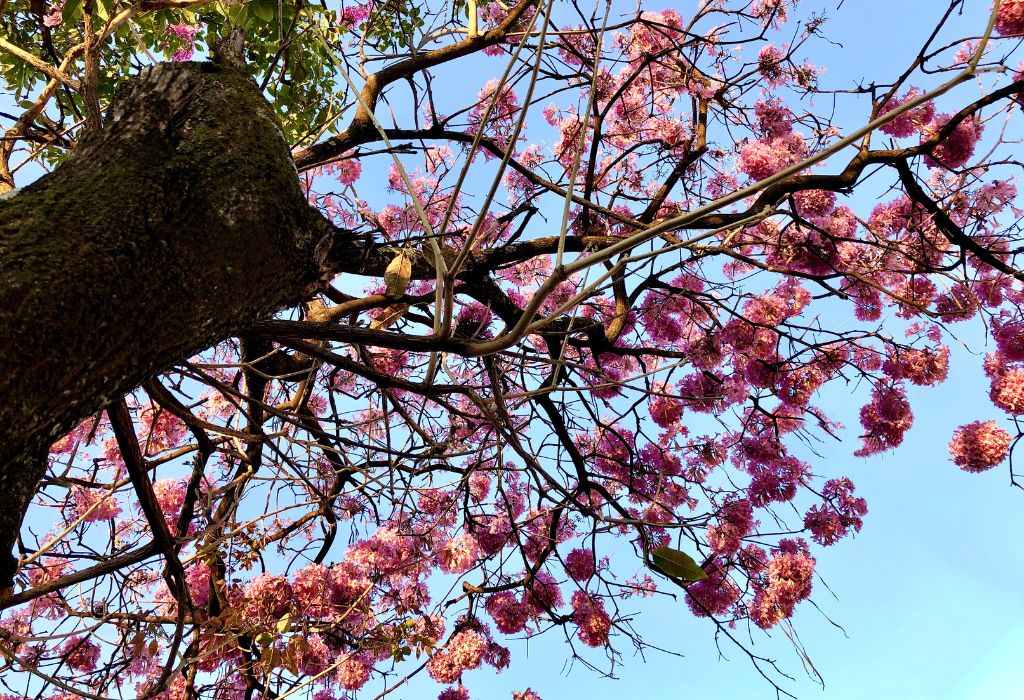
column 579, row 564
column 798, row 385
column 789, row 578
column 773, row 118
column 666, row 411
column 351, row 15
column 1009, row 337
column 54, row 15
column 979, row 446
column 311, row 587
column 459, row 692
column 706, row 392
column 736, row 521
column 458, row 555
column 525, row 695
column 315, row 656
column 769, row 64
column 442, row 667
column 348, row 169
column 510, row 615
column 479, row 486
column 497, row 656
column 642, row 586
column 103, row 506
column 910, row 121
column 543, row 593
column 814, row 203
column 353, row 671
column 267, row 597
column 465, row 650
column 184, row 33
column 886, row 419
column 80, row 654
column 922, row 367
column 503, row 105
column 957, row 148
column 468, row 648
column 495, row 533
column 959, row 304
column 776, row 480
column 170, row 496
column 74, row 439
column 197, row 579
column 841, row 511
column 591, row 619
column 772, row 12
column 715, row 594
column 1010, row 18
column 1008, row 391
column 762, row 159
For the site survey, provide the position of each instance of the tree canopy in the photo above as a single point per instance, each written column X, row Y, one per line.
column 344, row 343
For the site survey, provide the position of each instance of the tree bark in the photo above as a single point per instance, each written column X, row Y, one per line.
column 177, row 225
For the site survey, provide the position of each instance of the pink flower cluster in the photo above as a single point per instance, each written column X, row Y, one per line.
column 579, row 564
column 186, row 34
column 590, row 617
column 458, row 555
column 525, row 695
column 786, row 582
column 1007, row 390
column 353, row 671
column 921, row 367
column 714, row 595
column 1010, row 19
column 666, row 411
column 267, row 598
column 501, row 107
column 80, row 654
column 464, row 651
column 886, row 419
column 911, row 121
column 841, row 511
column 772, row 12
column 763, row 158
column 979, row 446
column 510, row 614
column 735, row 521
column 458, row 692
column 170, row 496
column 161, row 429
column 956, row 148
column 94, row 504
column 54, row 15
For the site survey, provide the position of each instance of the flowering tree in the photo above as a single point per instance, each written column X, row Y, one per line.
column 300, row 435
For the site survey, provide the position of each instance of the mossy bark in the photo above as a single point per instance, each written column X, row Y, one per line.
column 177, row 225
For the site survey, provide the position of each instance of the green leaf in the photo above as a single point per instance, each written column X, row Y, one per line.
column 284, row 623
column 102, row 9
column 264, row 639
column 676, row 564
column 264, row 10
column 71, row 9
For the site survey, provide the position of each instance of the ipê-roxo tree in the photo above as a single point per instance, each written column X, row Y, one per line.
column 393, row 331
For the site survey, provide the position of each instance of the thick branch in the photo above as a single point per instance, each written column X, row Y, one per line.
column 178, row 225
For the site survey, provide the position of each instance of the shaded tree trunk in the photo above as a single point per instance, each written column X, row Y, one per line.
column 177, row 225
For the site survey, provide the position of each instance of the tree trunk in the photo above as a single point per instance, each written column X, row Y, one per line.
column 177, row 225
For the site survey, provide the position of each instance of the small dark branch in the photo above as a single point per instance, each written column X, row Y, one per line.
column 953, row 233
